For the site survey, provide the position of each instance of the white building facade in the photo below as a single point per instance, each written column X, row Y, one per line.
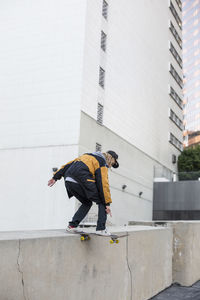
column 81, row 75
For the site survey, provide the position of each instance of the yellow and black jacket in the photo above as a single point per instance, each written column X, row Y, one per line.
column 87, row 170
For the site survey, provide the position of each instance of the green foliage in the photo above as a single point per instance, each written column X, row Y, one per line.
column 189, row 164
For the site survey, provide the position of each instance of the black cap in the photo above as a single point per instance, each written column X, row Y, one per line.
column 115, row 156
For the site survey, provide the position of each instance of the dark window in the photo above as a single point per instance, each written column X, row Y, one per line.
column 176, row 76
column 178, row 2
column 176, row 119
column 175, row 142
column 175, row 34
column 176, row 97
column 176, row 55
column 175, row 14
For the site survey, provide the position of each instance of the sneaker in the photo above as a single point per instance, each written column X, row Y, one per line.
column 71, row 229
column 104, row 232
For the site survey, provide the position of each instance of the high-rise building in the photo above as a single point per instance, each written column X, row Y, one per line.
column 191, row 69
column 82, row 75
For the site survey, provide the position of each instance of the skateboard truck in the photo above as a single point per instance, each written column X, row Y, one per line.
column 114, row 240
column 85, row 237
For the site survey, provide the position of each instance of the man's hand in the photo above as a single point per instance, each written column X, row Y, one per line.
column 51, row 182
column 108, row 210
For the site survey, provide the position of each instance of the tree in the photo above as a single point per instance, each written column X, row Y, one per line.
column 189, row 164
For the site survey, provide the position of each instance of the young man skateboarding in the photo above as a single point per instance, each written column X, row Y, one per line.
column 86, row 178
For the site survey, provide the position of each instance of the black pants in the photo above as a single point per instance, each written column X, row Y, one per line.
column 77, row 191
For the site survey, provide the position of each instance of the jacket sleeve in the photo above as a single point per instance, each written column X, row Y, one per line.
column 61, row 172
column 101, row 176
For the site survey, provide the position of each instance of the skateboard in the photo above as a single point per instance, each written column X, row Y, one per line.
column 85, row 236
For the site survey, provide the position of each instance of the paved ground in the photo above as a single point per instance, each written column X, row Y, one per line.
column 176, row 292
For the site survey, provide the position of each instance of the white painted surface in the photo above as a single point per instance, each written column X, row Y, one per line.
column 41, row 58
column 136, row 61
column 26, row 202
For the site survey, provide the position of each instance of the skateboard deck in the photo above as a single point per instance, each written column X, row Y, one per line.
column 114, row 238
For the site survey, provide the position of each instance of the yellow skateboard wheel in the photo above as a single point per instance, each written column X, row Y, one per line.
column 82, row 238
column 117, row 241
column 111, row 241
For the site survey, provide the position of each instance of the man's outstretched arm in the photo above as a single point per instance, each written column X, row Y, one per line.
column 51, row 182
column 59, row 174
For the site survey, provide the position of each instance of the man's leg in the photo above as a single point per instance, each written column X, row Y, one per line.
column 102, row 217
column 80, row 214
column 77, row 191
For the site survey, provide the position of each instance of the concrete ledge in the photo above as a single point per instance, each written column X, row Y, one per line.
column 56, row 265
column 186, row 249
column 186, row 258
column 150, row 260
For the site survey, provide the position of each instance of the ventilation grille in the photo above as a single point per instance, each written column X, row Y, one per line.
column 101, row 77
column 98, row 147
column 103, row 41
column 105, row 9
column 100, row 114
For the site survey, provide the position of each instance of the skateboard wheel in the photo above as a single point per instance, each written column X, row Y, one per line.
column 82, row 238
column 117, row 241
column 111, row 241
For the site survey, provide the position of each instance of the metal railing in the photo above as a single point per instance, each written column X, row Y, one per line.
column 164, row 174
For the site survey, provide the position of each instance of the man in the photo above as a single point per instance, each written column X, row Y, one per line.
column 86, row 178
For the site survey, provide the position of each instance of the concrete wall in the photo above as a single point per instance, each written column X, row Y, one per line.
column 55, row 265
column 186, row 248
column 186, row 260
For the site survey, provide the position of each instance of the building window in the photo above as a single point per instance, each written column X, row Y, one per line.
column 103, row 41
column 176, row 55
column 98, row 147
column 175, row 119
column 100, row 114
column 101, row 77
column 176, row 76
column 175, row 142
column 105, row 10
column 175, row 34
column 176, row 98
column 175, row 14
column 179, row 3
